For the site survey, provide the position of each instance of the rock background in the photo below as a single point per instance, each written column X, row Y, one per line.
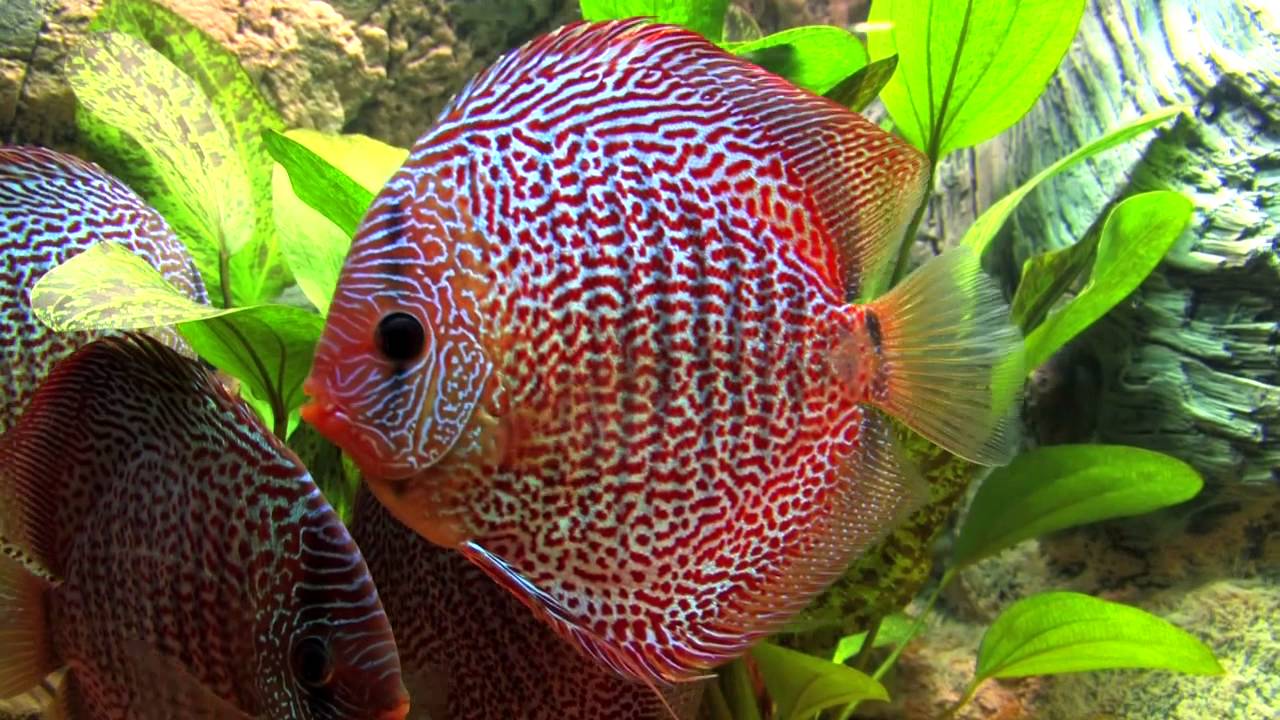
column 379, row 67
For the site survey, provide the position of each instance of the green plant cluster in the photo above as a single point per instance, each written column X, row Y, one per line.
column 269, row 215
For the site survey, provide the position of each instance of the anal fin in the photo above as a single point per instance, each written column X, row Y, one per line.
column 26, row 647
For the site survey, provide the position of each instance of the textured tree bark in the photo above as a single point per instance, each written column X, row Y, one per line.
column 1188, row 365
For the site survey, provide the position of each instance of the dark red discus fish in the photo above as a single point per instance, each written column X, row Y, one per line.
column 186, row 565
column 52, row 207
column 597, row 334
column 469, row 650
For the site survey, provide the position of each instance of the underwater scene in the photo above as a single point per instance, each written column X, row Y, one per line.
column 640, row 359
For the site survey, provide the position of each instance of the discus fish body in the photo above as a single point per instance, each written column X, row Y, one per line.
column 596, row 333
column 470, row 650
column 175, row 558
column 52, row 207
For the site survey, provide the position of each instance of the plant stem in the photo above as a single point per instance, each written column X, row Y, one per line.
column 868, row 643
column 915, row 626
column 968, row 695
column 909, row 239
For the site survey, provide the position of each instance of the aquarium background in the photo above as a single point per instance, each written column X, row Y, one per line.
column 1187, row 365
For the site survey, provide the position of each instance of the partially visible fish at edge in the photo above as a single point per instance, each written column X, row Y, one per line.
column 175, row 558
column 52, row 207
column 598, row 334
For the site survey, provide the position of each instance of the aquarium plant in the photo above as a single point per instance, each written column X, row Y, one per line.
column 268, row 213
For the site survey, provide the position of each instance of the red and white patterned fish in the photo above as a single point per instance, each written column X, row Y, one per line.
column 185, row 565
column 597, row 334
column 470, row 650
column 52, row 207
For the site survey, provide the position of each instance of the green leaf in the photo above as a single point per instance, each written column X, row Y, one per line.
column 858, row 90
column 1060, row 486
column 1045, row 277
column 814, row 57
column 738, row 692
column 968, row 69
column 894, row 629
column 1060, row 632
column 199, row 183
column 237, row 102
column 703, row 16
column 803, row 685
column 267, row 347
column 323, row 184
column 1134, row 238
column 984, row 229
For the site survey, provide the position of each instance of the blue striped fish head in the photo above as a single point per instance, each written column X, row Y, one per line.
column 404, row 360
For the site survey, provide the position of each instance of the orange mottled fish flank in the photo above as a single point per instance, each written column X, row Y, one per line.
column 597, row 334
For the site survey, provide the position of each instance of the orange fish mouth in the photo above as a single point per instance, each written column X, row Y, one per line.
column 331, row 421
column 399, row 712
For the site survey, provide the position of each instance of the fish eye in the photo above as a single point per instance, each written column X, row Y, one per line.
column 400, row 337
column 312, row 662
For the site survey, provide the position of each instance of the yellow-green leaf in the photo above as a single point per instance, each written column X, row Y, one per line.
column 859, row 89
column 323, row 184
column 1135, row 237
column 703, row 16
column 1061, row 486
column 802, row 685
column 814, row 57
column 968, row 69
column 984, row 229
column 202, row 188
column 1060, row 632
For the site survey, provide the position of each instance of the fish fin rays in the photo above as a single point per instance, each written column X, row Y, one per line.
column 173, row 692
column 875, row 489
column 27, row 656
column 953, row 359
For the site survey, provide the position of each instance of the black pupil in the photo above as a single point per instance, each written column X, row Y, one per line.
column 400, row 337
column 313, row 662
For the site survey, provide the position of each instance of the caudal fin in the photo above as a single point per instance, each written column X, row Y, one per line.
column 26, row 650
column 952, row 359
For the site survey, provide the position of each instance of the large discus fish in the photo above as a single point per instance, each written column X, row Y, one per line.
column 597, row 333
column 175, row 558
column 469, row 650
column 52, row 207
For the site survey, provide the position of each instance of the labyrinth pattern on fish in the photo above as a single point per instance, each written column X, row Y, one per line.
column 471, row 651
column 52, row 207
column 631, row 253
column 190, row 545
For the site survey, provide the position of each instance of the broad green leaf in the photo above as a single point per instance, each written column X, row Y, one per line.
column 1061, row 486
column 266, row 347
column 802, row 685
column 1135, row 237
column 703, row 16
column 237, row 102
column 968, row 69
column 894, row 629
column 200, row 185
column 859, row 89
column 984, row 229
column 1045, row 277
column 1058, row 632
column 814, row 57
column 339, row 174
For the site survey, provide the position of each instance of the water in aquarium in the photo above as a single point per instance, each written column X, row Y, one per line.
column 639, row 360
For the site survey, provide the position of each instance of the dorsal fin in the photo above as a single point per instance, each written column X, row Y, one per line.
column 861, row 184
column 38, row 454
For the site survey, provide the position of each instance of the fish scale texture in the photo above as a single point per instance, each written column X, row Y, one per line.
column 53, row 206
column 189, row 543
column 632, row 275
column 471, row 651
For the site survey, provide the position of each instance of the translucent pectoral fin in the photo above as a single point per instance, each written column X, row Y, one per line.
column 168, row 690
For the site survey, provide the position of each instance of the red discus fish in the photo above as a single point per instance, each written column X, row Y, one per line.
column 176, row 558
column 52, row 207
column 596, row 333
column 469, row 650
